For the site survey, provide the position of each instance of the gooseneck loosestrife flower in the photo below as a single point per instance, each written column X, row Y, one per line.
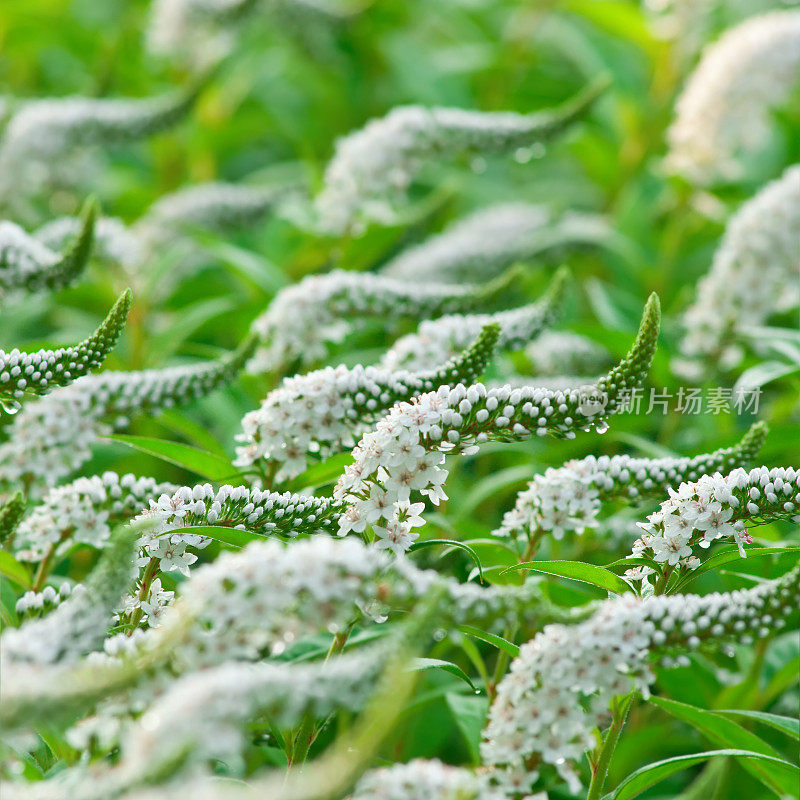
column 41, row 371
column 569, row 498
column 716, row 507
column 723, row 116
column 28, row 263
column 305, row 316
column 755, row 273
column 484, row 243
column 372, row 169
column 53, row 435
column 325, row 411
column 439, row 339
column 405, row 452
column 558, row 690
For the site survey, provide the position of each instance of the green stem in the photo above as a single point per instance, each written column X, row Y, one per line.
column 150, row 572
column 533, row 545
column 603, row 762
column 661, row 584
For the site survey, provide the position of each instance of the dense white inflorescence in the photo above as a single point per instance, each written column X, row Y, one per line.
column 755, row 272
column 424, row 780
column 723, row 114
column 322, row 412
column 405, row 452
column 44, row 370
column 569, row 498
column 437, row 340
column 53, row 435
column 718, row 507
column 482, row 244
column 373, row 168
column 305, row 316
column 558, row 690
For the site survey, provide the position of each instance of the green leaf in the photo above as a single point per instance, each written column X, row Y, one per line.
column 731, row 553
column 498, row 641
column 176, row 422
column 450, row 543
column 206, row 464
column 469, row 713
column 648, row 776
column 421, row 664
column 235, row 537
column 12, row 569
column 788, row 725
column 320, row 474
column 578, row 571
column 727, row 733
column 496, row 482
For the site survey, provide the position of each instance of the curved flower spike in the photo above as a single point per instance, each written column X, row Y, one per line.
column 11, row 512
column 438, row 340
column 53, row 435
column 484, row 243
column 718, row 507
column 573, row 673
column 81, row 622
column 44, row 370
column 568, row 498
column 724, row 115
column 26, row 263
column 322, row 412
column 406, row 450
column 372, row 169
column 303, row 317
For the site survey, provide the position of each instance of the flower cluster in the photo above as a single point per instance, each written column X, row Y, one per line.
column 38, row 135
column 754, row 273
column 558, row 690
column 437, row 340
column 83, row 511
column 29, row 263
column 373, row 168
column 37, row 604
column 406, row 451
column 568, row 498
column 43, row 370
column 484, row 243
column 424, row 780
column 717, row 507
column 324, row 411
column 53, row 435
column 305, row 316
column 723, row 113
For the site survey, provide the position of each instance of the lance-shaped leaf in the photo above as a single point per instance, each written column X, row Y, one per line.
column 322, row 412
column 304, row 317
column 26, row 263
column 399, row 455
column 439, row 339
column 43, row 370
column 570, row 497
column 373, row 168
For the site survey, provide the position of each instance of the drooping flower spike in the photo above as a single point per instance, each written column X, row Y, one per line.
column 437, row 340
column 723, row 116
column 42, row 371
column 26, row 263
column 717, row 507
column 320, row 413
column 569, row 498
column 754, row 274
column 304, row 317
column 559, row 688
column 54, row 435
column 405, row 452
column 372, row 169
column 484, row 243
